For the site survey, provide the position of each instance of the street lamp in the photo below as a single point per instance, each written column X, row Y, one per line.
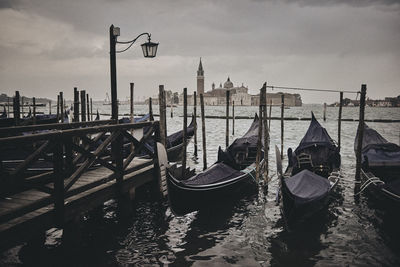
column 149, row 50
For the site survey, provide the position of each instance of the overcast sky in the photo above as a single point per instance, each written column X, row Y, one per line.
column 47, row 46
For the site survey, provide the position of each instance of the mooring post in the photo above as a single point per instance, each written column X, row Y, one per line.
column 172, row 107
column 203, row 130
column 260, row 130
column 324, row 111
column 195, row 122
column 49, row 107
column 270, row 112
column 184, row 132
column 151, row 110
column 22, row 106
column 58, row 108
column 62, row 106
column 8, row 106
column 76, row 105
column 34, row 109
column 161, row 93
column 233, row 117
column 91, row 109
column 17, row 112
column 266, row 133
column 227, row 120
column 360, row 131
column 282, row 121
column 340, row 118
column 132, row 85
column 87, row 107
column 165, row 113
column 83, row 105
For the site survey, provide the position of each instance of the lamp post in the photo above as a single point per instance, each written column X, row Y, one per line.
column 149, row 50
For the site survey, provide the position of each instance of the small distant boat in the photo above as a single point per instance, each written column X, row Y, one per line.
column 227, row 179
column 311, row 175
column 380, row 169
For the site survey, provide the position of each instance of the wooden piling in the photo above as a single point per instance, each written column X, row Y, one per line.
column 195, row 122
column 184, row 132
column 91, row 109
column 22, row 106
column 83, row 105
column 266, row 134
column 282, row 121
column 227, row 120
column 132, row 85
column 34, row 109
column 324, row 111
column 76, row 105
column 50, row 107
column 270, row 112
column 16, row 108
column 360, row 131
column 58, row 108
column 340, row 119
column 151, row 110
column 233, row 117
column 161, row 93
column 260, row 130
column 62, row 106
column 203, row 130
column 87, row 107
column 172, row 107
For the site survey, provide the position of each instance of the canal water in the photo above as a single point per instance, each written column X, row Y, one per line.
column 354, row 229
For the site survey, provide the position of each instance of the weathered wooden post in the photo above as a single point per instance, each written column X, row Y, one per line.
column 282, row 121
column 16, row 108
column 203, row 130
column 195, row 122
column 22, row 106
column 260, row 130
column 324, row 111
column 172, row 107
column 34, row 109
column 50, row 107
column 62, row 106
column 360, row 130
column 91, row 109
column 151, row 110
column 87, row 107
column 58, row 108
column 161, row 93
column 76, row 105
column 266, row 133
column 233, row 117
column 8, row 106
column 227, row 120
column 270, row 112
column 132, row 85
column 184, row 132
column 58, row 176
column 83, row 105
column 340, row 119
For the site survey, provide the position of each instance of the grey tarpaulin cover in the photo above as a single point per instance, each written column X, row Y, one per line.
column 216, row 173
column 307, row 186
column 378, row 150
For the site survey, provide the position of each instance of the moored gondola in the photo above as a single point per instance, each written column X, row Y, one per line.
column 311, row 175
column 380, row 168
column 228, row 179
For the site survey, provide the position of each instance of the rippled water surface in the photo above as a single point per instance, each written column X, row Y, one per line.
column 354, row 230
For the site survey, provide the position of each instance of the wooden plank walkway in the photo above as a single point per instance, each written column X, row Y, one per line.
column 32, row 211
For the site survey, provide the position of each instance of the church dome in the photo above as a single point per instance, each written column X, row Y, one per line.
column 228, row 84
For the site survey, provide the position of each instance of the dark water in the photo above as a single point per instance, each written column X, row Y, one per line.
column 354, row 229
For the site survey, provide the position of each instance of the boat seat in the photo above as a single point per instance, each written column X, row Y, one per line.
column 304, row 161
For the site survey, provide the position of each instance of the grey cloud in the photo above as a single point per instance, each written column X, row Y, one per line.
column 353, row 3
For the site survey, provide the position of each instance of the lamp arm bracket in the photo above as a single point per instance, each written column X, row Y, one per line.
column 134, row 40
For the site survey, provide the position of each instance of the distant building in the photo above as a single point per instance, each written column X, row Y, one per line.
column 200, row 79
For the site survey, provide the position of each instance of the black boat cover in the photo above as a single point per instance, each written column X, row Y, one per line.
column 319, row 145
column 247, row 141
column 218, row 172
column 378, row 151
column 307, row 186
column 177, row 138
column 140, row 119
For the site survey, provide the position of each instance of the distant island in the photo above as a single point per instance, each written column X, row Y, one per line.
column 387, row 102
column 4, row 99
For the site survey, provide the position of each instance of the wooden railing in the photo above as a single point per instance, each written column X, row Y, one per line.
column 71, row 150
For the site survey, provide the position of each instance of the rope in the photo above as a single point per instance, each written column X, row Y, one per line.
column 368, row 182
column 310, row 89
column 249, row 172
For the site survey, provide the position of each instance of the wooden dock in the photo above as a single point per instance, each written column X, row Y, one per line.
column 85, row 173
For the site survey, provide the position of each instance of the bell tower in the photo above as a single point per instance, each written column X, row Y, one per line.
column 200, row 79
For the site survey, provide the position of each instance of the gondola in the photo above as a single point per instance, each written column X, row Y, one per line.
column 311, row 175
column 380, row 166
column 232, row 176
